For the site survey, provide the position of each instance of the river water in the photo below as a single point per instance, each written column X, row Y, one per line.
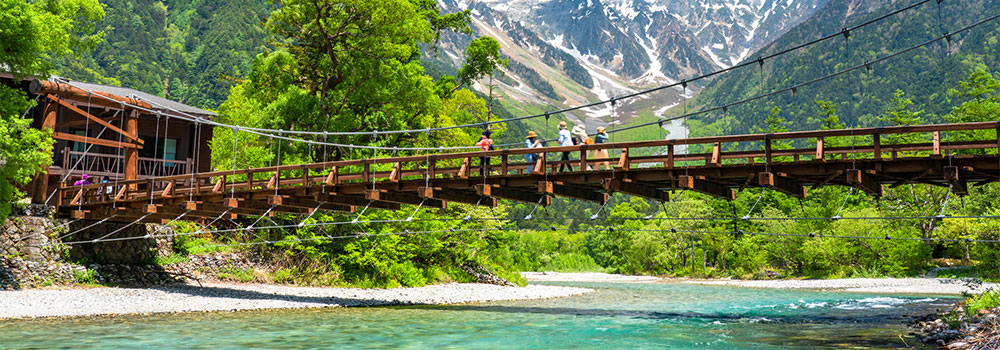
column 618, row 316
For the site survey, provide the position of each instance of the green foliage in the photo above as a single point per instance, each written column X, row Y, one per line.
column 173, row 258
column 482, row 58
column 87, row 276
column 31, row 33
column 188, row 51
column 235, row 274
column 986, row 301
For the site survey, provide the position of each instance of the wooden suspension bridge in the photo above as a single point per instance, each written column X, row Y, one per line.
column 789, row 162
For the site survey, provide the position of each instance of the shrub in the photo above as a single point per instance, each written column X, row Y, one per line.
column 88, row 276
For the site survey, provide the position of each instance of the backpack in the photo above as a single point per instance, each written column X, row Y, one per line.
column 589, row 141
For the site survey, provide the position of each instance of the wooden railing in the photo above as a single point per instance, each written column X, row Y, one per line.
column 856, row 144
column 108, row 164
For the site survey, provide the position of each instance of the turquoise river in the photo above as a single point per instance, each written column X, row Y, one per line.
column 617, row 316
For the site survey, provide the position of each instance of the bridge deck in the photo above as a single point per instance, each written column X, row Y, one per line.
column 432, row 180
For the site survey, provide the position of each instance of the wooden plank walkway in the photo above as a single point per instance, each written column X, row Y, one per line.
column 648, row 169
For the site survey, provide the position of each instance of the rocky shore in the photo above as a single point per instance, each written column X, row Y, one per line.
column 980, row 331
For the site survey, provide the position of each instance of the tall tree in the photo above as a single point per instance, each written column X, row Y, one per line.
column 31, row 33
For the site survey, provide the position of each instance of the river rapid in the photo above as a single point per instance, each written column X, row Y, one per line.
column 616, row 316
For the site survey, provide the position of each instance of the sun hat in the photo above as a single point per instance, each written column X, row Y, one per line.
column 579, row 129
column 84, row 176
column 562, row 124
column 600, row 129
column 531, row 134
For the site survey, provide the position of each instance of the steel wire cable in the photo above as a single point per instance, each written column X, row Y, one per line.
column 580, row 219
column 265, row 132
column 484, row 124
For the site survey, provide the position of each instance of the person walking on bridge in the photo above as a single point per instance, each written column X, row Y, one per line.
column 531, row 141
column 565, row 139
column 486, row 143
column 602, row 137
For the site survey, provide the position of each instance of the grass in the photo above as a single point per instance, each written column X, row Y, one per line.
column 173, row 258
column 88, row 277
column 235, row 274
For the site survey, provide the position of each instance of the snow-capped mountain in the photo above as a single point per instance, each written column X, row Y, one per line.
column 609, row 47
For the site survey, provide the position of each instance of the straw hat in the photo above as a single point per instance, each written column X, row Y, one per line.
column 531, row 134
column 562, row 124
column 579, row 129
column 600, row 129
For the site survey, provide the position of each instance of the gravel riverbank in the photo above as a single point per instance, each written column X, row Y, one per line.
column 234, row 297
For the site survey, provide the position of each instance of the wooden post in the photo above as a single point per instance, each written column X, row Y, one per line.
column 717, row 154
column 540, row 164
column 623, row 160
column 132, row 154
column 877, row 144
column 820, row 152
column 937, row 144
column 767, row 149
column 583, row 158
column 503, row 163
column 41, row 184
column 332, row 178
column 670, row 157
column 366, row 174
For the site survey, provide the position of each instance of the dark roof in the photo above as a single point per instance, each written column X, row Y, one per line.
column 158, row 103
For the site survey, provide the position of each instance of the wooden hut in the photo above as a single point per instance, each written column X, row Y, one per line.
column 113, row 132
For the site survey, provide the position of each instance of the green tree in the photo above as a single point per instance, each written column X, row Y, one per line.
column 31, row 34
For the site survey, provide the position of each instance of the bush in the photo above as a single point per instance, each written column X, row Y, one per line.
column 88, row 276
column 988, row 300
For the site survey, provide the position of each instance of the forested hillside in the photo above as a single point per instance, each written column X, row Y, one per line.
column 181, row 49
column 924, row 76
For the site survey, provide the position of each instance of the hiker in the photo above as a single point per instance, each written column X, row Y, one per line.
column 602, row 137
column 83, row 181
column 486, row 143
column 105, row 189
column 580, row 137
column 565, row 139
column 531, row 141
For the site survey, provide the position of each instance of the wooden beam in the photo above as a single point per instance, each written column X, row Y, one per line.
column 518, row 195
column 305, row 203
column 570, row 191
column 357, row 201
column 636, row 189
column 451, row 195
column 781, row 184
column 93, row 140
column 689, row 182
column 83, row 122
column 958, row 185
column 864, row 182
column 97, row 120
column 404, row 198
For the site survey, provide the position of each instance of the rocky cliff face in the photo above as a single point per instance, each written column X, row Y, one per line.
column 572, row 51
